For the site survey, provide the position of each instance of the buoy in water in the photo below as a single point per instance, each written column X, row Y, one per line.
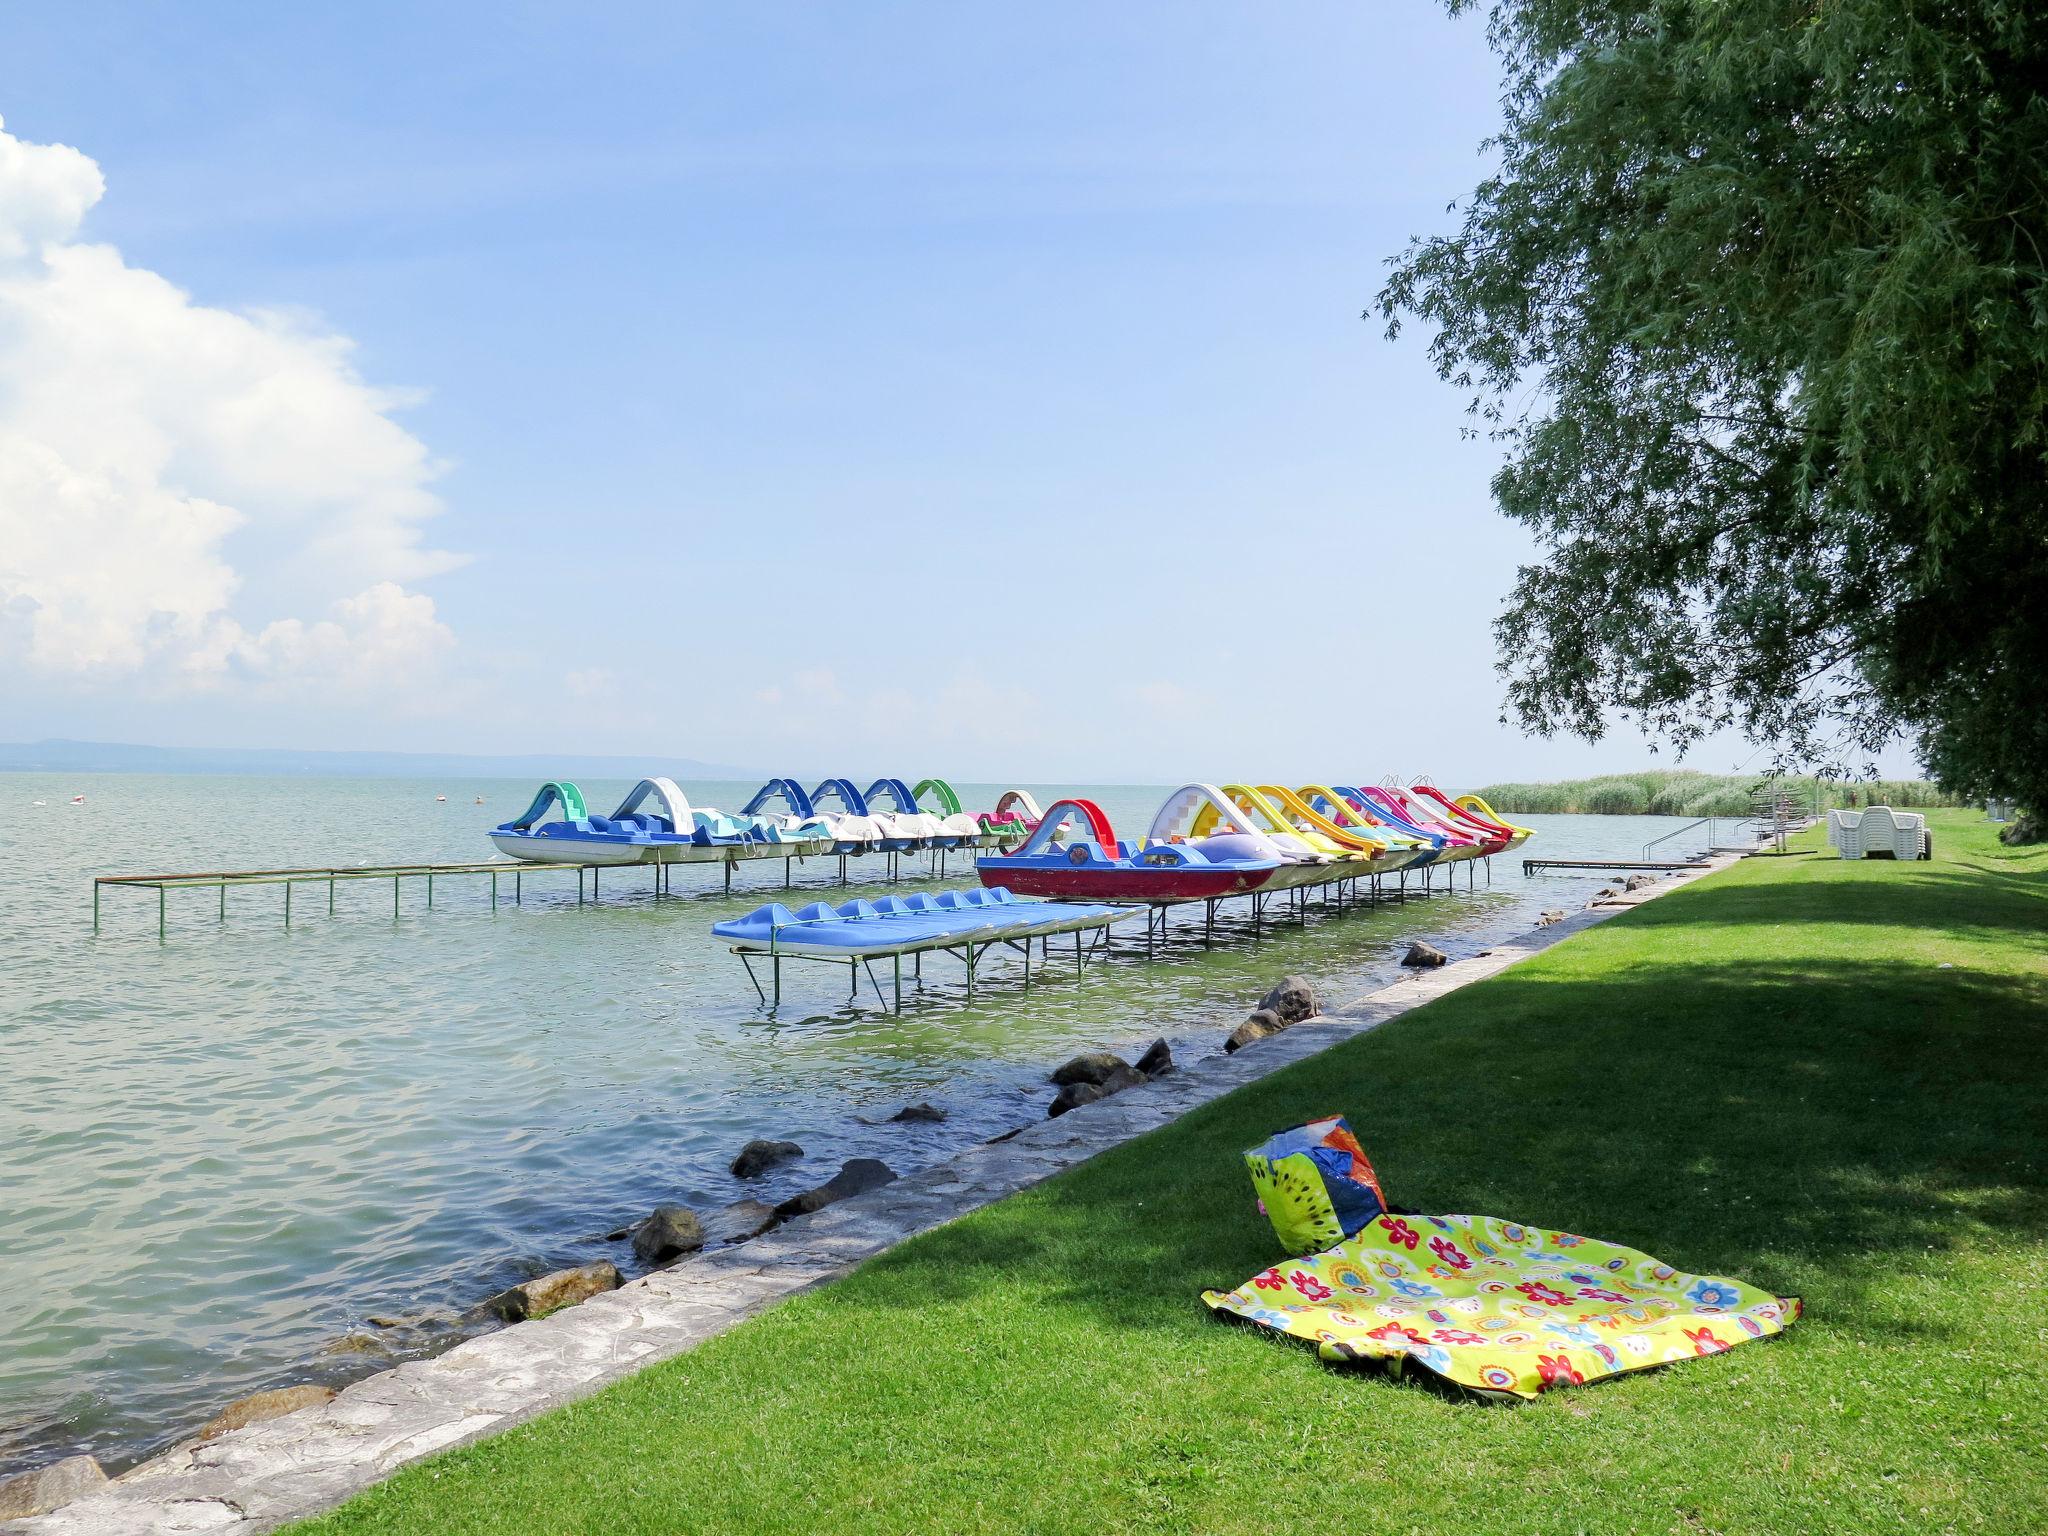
column 440, row 799
column 78, row 799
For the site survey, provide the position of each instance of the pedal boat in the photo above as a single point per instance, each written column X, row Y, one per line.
column 1097, row 866
column 860, row 930
column 675, row 832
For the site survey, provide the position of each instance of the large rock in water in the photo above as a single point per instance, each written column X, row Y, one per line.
column 1420, row 953
column 855, row 1177
column 1291, row 1001
column 258, row 1407
column 929, row 1114
column 1158, row 1058
column 551, row 1293
column 1261, row 1024
column 1088, row 1067
column 1073, row 1096
column 48, row 1488
column 670, row 1231
column 757, row 1157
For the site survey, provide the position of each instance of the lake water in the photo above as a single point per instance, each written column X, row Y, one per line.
column 219, row 1152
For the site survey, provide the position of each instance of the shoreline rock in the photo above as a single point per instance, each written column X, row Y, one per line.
column 1291, row 1000
column 739, row 1221
column 552, row 1292
column 1088, row 1067
column 1421, row 953
column 918, row 1113
column 855, row 1177
column 42, row 1489
column 258, row 1407
column 1261, row 1024
column 670, row 1232
column 757, row 1157
column 1158, row 1058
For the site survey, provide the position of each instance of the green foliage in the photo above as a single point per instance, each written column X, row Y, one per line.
column 1772, row 273
column 1684, row 792
column 1823, row 1076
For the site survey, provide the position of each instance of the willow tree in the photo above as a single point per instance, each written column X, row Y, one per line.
column 1755, row 301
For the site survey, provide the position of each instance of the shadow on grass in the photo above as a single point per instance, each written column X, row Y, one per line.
column 1834, row 1122
column 1998, row 906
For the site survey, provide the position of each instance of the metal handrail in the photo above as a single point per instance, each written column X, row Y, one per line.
column 1705, row 821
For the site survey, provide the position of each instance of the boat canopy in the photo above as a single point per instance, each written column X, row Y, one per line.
column 851, row 800
column 1200, row 810
column 1018, row 804
column 1063, row 814
column 788, row 791
column 892, row 789
column 555, row 792
column 669, row 801
column 948, row 803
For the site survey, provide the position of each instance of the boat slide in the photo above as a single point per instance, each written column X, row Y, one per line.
column 1350, row 813
column 1425, row 811
column 1472, row 804
column 1382, row 851
column 1389, row 807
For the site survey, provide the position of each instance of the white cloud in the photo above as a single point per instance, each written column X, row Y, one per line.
column 194, row 496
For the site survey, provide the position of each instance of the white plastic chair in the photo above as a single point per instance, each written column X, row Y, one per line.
column 1845, row 833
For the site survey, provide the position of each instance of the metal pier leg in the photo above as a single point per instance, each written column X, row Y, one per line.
column 518, row 887
column 1077, row 952
column 593, row 882
column 776, row 964
column 330, row 895
column 728, row 877
column 494, row 890
column 223, row 901
column 754, row 979
column 394, row 896
column 1027, row 962
column 95, row 906
column 1208, row 922
column 917, row 964
column 159, row 914
column 868, row 966
column 899, row 981
column 970, row 973
column 287, row 903
column 786, row 874
column 430, row 890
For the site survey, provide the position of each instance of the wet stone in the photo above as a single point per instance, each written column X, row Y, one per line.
column 551, row 1293
column 854, row 1177
column 46, row 1488
column 258, row 1407
column 757, row 1157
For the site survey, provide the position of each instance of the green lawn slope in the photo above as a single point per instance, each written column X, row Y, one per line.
column 1827, row 1078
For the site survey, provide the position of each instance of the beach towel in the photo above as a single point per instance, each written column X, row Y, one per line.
column 1503, row 1309
column 1315, row 1184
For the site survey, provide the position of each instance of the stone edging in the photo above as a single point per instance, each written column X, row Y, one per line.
column 254, row 1479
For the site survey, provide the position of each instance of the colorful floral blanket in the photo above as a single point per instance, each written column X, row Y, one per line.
column 1502, row 1308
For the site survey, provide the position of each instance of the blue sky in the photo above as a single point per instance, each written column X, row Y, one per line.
column 922, row 388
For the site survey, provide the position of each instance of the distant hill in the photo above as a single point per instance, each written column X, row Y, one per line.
column 123, row 757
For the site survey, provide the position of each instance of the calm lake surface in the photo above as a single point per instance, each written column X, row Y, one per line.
column 218, row 1153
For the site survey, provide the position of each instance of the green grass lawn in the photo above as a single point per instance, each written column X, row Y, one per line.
column 1829, row 1079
